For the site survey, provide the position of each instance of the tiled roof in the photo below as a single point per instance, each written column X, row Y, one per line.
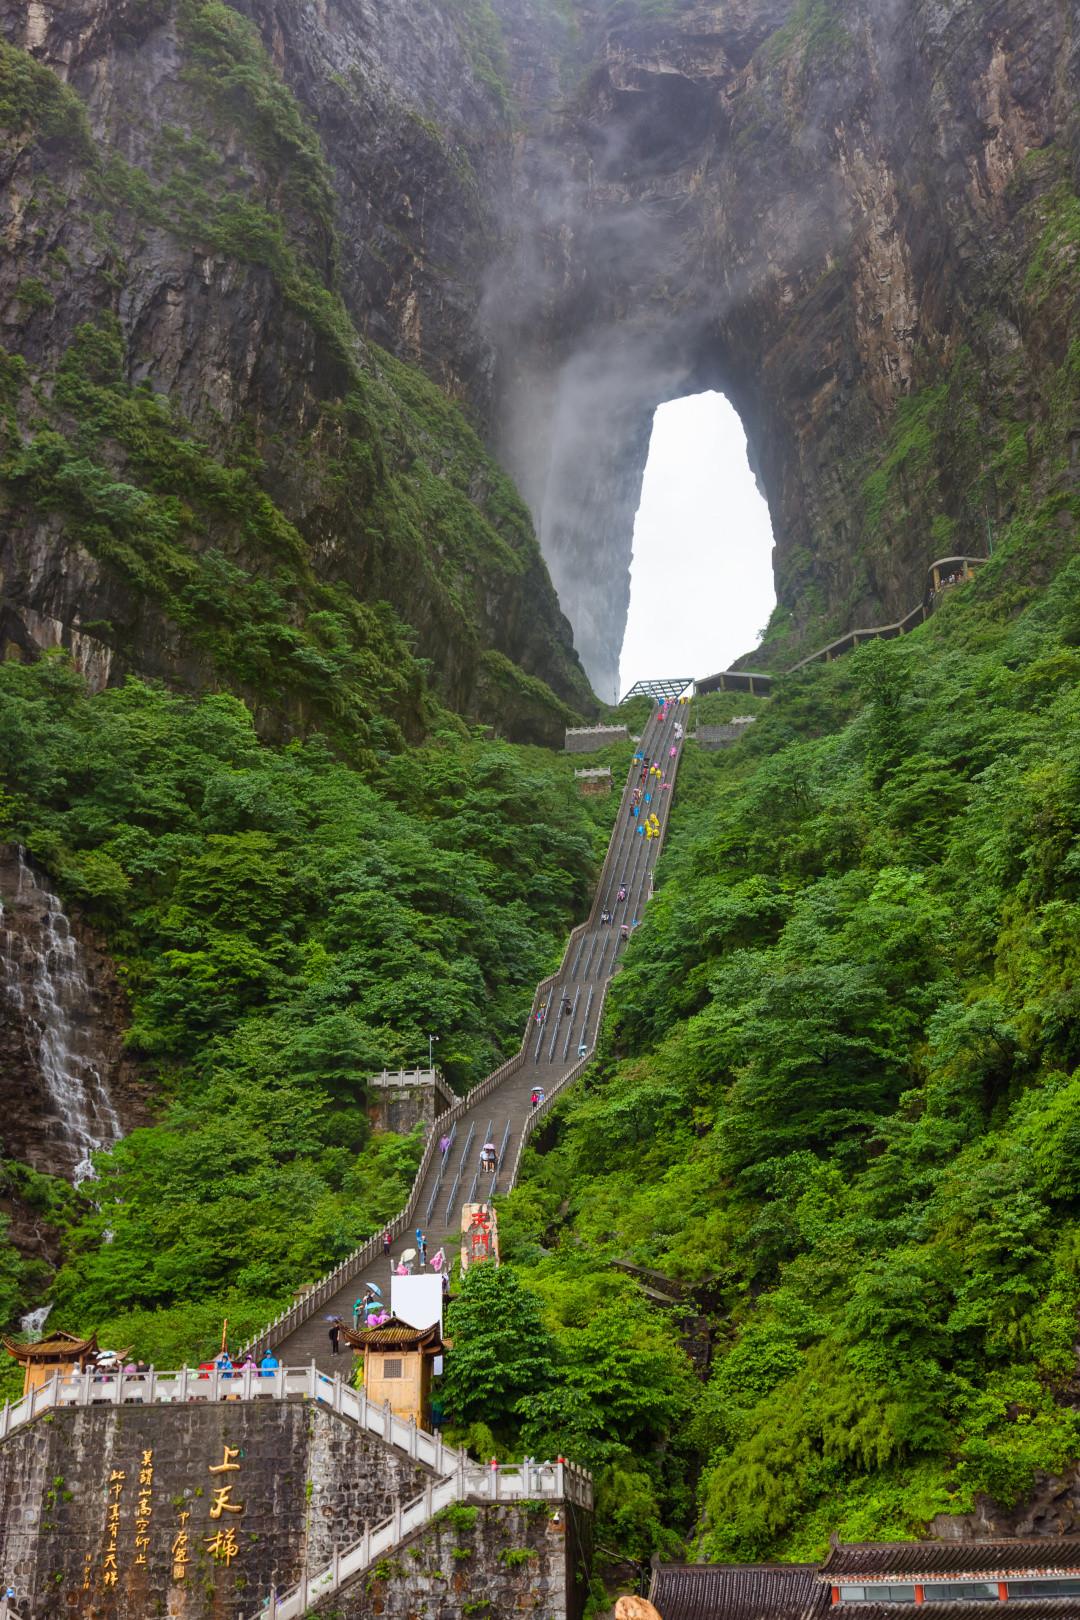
column 1046, row 1554
column 58, row 1344
column 392, row 1334
column 739, row 1592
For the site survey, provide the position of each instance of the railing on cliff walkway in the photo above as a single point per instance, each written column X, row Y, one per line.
column 758, row 683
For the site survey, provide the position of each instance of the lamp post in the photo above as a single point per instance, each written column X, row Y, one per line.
column 431, row 1050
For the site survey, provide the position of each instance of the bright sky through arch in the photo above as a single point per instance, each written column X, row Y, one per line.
column 701, row 586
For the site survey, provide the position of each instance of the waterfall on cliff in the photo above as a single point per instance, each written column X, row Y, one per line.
column 45, row 995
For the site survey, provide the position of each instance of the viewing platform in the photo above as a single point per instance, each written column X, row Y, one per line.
column 587, row 739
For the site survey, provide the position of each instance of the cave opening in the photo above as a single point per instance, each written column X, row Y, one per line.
column 701, row 579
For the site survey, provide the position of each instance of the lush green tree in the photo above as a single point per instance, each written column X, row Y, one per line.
column 502, row 1352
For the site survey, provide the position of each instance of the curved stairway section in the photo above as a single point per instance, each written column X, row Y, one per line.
column 759, row 684
column 553, row 1052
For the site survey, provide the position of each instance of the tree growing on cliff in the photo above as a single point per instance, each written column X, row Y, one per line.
column 501, row 1352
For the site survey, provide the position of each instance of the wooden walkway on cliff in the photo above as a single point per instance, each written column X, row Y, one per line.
column 940, row 575
column 498, row 1109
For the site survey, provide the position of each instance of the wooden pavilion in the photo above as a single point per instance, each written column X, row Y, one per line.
column 60, row 1352
column 398, row 1365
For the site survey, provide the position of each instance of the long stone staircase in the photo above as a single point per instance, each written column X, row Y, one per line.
column 554, row 1050
column 556, row 1046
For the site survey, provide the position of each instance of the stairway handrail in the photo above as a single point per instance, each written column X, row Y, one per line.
column 184, row 1385
column 292, row 1317
column 543, row 1109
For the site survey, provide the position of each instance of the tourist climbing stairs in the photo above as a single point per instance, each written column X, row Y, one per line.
column 558, row 1042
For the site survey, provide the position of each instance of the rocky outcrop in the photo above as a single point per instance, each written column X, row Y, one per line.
column 66, row 1086
column 855, row 218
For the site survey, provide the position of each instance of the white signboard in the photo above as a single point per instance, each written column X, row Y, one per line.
column 417, row 1300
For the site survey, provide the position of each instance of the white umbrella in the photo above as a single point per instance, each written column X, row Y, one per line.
column 408, row 1255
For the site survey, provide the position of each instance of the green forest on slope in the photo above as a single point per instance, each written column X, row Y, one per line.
column 286, row 923
column 839, row 1090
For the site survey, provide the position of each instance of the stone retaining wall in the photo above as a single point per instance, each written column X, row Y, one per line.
column 588, row 739
column 306, row 1479
column 482, row 1562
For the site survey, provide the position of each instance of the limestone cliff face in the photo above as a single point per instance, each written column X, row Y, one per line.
column 245, row 248
column 855, row 217
column 850, row 216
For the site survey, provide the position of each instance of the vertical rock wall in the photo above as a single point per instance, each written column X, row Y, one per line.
column 832, row 213
column 491, row 1563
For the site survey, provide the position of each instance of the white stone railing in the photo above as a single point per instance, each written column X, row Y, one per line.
column 459, row 1478
column 530, row 1481
column 190, row 1384
column 393, row 1078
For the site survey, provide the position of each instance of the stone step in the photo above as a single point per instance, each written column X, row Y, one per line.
column 586, row 969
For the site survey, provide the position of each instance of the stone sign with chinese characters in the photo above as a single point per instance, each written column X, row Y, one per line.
column 184, row 1510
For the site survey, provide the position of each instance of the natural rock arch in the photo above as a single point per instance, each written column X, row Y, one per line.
column 817, row 210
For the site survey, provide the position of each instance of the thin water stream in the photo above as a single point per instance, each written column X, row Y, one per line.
column 45, row 991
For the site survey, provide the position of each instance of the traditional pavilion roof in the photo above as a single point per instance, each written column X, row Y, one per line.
column 394, row 1334
column 881, row 1560
column 58, row 1346
column 741, row 1592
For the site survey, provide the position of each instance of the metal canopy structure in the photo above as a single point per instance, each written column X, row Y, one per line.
column 659, row 690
